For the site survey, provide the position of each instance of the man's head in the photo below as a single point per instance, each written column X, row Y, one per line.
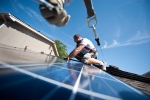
column 77, row 38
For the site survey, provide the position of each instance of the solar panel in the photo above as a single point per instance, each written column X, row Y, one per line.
column 58, row 80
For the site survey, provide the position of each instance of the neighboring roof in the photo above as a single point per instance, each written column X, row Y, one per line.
column 113, row 70
column 9, row 16
column 147, row 74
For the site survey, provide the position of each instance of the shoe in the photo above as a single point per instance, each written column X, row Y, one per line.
column 104, row 66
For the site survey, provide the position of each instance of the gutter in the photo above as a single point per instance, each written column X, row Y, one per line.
column 4, row 20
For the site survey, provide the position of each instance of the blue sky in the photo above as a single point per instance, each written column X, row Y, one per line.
column 123, row 28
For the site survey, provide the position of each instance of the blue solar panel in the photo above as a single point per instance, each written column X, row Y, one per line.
column 58, row 80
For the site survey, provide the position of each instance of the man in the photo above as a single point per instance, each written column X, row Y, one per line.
column 85, row 52
column 56, row 16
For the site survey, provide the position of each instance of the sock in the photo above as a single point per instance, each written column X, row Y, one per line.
column 101, row 63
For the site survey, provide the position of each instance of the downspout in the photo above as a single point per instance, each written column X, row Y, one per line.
column 55, row 48
column 4, row 20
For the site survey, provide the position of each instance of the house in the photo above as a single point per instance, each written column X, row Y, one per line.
column 20, row 42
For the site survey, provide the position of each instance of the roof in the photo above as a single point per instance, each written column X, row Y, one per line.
column 113, row 70
column 147, row 74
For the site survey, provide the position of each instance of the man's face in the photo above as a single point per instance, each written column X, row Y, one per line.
column 76, row 39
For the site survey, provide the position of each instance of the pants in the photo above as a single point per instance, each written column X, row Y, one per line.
column 82, row 57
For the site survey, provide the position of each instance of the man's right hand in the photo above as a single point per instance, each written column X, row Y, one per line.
column 55, row 15
column 68, row 60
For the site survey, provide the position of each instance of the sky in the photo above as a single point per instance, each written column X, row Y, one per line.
column 123, row 28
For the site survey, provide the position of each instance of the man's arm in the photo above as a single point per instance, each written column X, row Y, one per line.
column 76, row 51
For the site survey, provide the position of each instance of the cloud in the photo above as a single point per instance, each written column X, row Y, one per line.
column 117, row 32
column 14, row 3
column 139, row 38
column 61, row 32
column 49, row 35
column 33, row 14
column 68, row 45
column 114, row 44
column 29, row 11
column 21, row 6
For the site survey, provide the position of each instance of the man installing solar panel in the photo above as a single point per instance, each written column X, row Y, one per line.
column 85, row 52
column 56, row 15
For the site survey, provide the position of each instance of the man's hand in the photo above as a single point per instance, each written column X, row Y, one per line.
column 68, row 60
column 55, row 15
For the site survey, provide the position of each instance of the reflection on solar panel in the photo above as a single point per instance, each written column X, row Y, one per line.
column 61, row 81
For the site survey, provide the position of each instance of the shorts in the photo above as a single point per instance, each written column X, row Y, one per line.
column 87, row 55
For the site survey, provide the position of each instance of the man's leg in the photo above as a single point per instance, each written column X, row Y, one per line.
column 79, row 56
column 88, row 60
column 95, row 61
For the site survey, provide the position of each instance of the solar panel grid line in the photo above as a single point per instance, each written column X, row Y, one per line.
column 137, row 91
column 66, row 68
column 52, row 92
column 125, row 89
column 110, row 88
column 29, row 65
column 100, row 73
column 45, row 72
column 72, row 64
column 59, row 83
column 34, row 67
column 91, row 79
column 33, row 64
column 37, row 68
column 105, row 78
column 76, row 86
column 36, row 75
column 90, row 87
column 54, row 71
column 86, row 74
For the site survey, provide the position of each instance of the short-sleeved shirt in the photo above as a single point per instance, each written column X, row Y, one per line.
column 88, row 45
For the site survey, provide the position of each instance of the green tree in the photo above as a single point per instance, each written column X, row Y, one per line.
column 62, row 48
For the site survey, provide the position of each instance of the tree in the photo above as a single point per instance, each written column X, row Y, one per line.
column 62, row 48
